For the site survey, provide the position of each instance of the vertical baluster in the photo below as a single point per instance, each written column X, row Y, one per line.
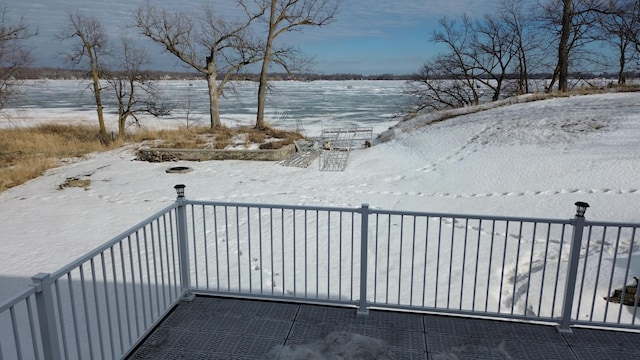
column 364, row 248
column 464, row 262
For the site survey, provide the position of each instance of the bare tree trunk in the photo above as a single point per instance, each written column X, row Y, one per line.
column 98, row 96
column 262, row 88
column 563, row 47
column 554, row 79
column 262, row 97
column 124, row 111
column 284, row 16
column 205, row 42
column 214, row 100
column 122, row 115
column 523, row 85
column 122, row 119
column 93, row 45
column 623, row 60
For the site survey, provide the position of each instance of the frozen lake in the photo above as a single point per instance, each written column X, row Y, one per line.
column 290, row 104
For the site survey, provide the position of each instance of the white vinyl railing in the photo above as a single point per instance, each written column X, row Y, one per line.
column 102, row 305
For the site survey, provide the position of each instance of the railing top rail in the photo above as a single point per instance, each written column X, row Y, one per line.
column 612, row 224
column 378, row 211
column 17, row 298
column 470, row 216
column 88, row 256
column 272, row 206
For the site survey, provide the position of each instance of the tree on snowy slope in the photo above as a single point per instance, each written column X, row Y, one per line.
column 574, row 25
column 525, row 40
column 479, row 57
column 620, row 27
column 214, row 46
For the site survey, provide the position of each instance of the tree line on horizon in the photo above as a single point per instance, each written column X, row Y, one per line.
column 35, row 73
column 39, row 73
column 501, row 51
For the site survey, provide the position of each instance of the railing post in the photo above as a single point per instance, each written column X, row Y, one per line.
column 572, row 271
column 46, row 316
column 364, row 252
column 183, row 243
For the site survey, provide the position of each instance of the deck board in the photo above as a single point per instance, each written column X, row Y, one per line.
column 224, row 328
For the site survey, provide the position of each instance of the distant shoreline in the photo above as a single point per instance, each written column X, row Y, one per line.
column 41, row 73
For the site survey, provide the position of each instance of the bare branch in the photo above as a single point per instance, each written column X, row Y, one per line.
column 90, row 44
column 214, row 46
column 134, row 92
column 13, row 53
column 284, row 16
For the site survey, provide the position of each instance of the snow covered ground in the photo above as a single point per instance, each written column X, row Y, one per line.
column 531, row 159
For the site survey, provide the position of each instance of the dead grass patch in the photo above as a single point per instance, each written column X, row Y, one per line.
column 75, row 182
column 223, row 137
column 272, row 145
column 26, row 153
column 22, row 170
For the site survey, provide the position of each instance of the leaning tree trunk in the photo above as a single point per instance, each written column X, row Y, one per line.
column 98, row 96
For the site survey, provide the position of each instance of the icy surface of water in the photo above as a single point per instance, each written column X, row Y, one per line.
column 290, row 104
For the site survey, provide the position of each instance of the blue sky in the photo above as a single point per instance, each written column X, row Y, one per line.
column 368, row 36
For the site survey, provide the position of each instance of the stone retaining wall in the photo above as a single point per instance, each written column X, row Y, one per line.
column 158, row 155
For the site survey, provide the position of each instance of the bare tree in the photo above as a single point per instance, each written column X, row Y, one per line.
column 457, row 64
column 480, row 55
column 285, row 16
column 92, row 46
column 620, row 27
column 134, row 91
column 524, row 39
column 439, row 87
column 13, row 52
column 573, row 28
column 212, row 45
column 563, row 46
column 477, row 53
column 492, row 51
column 447, row 81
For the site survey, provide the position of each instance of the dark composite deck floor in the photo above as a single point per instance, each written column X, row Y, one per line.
column 221, row 328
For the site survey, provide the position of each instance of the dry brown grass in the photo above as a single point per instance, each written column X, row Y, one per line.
column 26, row 153
column 222, row 137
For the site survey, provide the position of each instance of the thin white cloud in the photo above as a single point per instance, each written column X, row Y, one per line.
column 365, row 18
column 408, row 12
